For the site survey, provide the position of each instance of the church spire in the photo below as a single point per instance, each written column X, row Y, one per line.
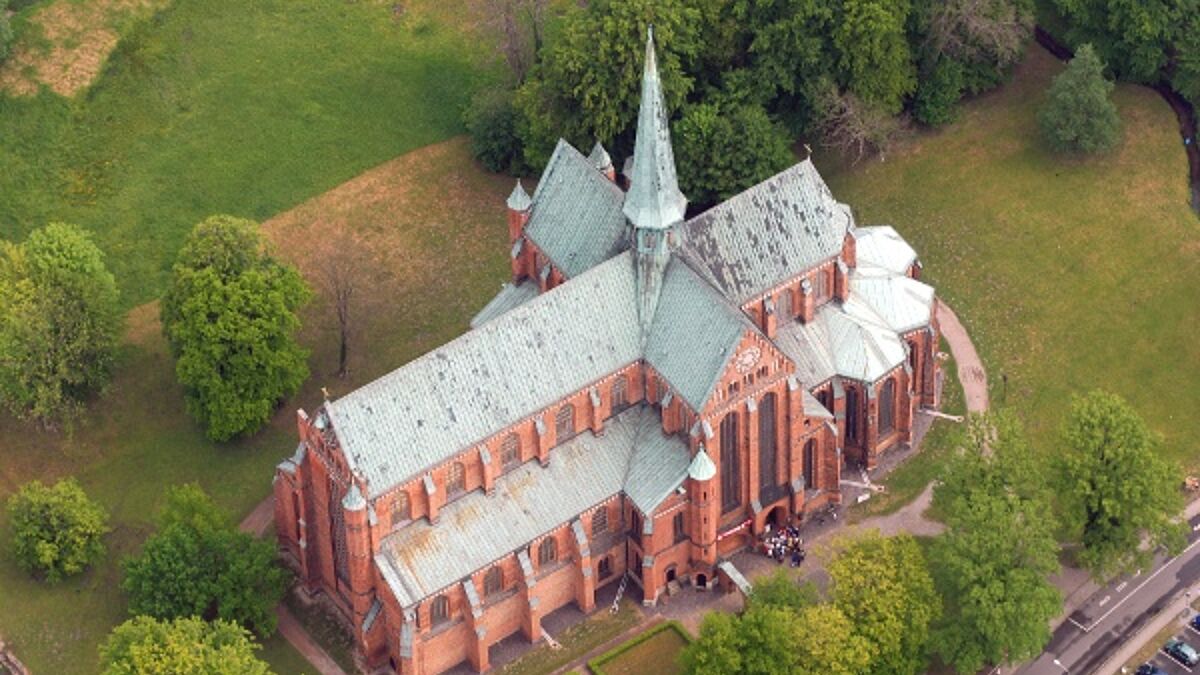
column 654, row 201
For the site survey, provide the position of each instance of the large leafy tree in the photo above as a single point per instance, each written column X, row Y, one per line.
column 882, row 586
column 781, row 590
column 726, row 146
column 1078, row 115
column 184, row 646
column 57, row 530
column 1135, row 37
column 197, row 564
column 587, row 84
column 998, row 549
column 787, row 47
column 828, row 644
column 230, row 317
column 59, row 323
column 874, row 60
column 1116, row 487
column 762, row 641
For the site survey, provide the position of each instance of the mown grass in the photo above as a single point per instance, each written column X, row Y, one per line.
column 1069, row 273
column 576, row 641
column 653, row 653
column 233, row 107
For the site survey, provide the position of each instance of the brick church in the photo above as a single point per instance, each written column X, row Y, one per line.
column 640, row 401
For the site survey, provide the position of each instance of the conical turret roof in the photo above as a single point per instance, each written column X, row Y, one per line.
column 654, row 200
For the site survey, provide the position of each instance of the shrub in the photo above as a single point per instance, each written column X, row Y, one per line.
column 852, row 126
column 186, row 646
column 57, row 530
column 938, row 94
column 1078, row 115
column 491, row 120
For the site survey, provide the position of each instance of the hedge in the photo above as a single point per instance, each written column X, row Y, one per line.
column 597, row 664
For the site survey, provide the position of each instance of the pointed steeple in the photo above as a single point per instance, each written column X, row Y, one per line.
column 654, row 201
column 519, row 199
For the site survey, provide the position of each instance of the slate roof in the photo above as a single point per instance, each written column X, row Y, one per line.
column 694, row 333
column 767, row 234
column 881, row 246
column 848, row 339
column 654, row 200
column 475, row 530
column 576, row 218
column 507, row 369
column 509, row 297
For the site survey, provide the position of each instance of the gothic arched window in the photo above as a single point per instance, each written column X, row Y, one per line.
column 810, row 464
column 600, row 521
column 510, row 451
column 456, row 479
column 401, row 509
column 731, row 479
column 619, row 395
column 767, row 471
column 493, row 581
column 547, row 551
column 852, row 415
column 564, row 422
column 605, row 567
column 680, row 527
column 439, row 612
column 887, row 407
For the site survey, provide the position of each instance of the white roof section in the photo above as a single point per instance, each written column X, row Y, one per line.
column 881, row 246
column 846, row 339
column 475, row 530
column 903, row 302
column 702, row 467
column 496, row 375
column 768, row 234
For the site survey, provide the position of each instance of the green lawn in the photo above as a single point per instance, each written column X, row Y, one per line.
column 576, row 641
column 233, row 107
column 653, row 653
column 1070, row 274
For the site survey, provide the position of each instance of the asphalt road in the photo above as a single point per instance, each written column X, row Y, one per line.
column 1113, row 615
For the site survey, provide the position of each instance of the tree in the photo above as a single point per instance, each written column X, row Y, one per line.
column 985, row 37
column 230, row 317
column 184, row 646
column 883, row 587
column 587, row 84
column 828, row 644
column 997, row 551
column 780, row 590
column 725, row 147
column 1078, row 115
column 1116, row 487
column 787, row 46
column 852, row 126
column 197, row 564
column 492, row 122
column 759, row 642
column 340, row 272
column 57, row 530
column 938, row 93
column 873, row 57
column 1135, row 37
column 59, row 323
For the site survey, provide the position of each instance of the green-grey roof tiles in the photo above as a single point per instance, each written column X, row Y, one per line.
column 694, row 333
column 576, row 218
column 654, row 201
column 509, row 297
column 768, row 234
column 493, row 376
column 475, row 530
column 659, row 465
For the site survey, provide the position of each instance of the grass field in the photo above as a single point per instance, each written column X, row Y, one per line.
column 1070, row 274
column 655, row 652
column 233, row 107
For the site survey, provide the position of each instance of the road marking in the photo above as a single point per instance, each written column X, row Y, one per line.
column 1173, row 660
column 1105, row 600
column 1121, row 586
column 1189, row 627
column 1166, row 563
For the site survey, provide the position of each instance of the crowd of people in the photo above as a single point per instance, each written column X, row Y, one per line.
column 784, row 544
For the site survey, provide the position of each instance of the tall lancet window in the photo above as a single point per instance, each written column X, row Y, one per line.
column 731, row 474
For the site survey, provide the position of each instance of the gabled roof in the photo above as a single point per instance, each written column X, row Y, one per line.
column 903, row 302
column 496, row 375
column 509, row 297
column 694, row 334
column 576, row 218
column 654, row 201
column 475, row 530
column 767, row 234
column 881, row 246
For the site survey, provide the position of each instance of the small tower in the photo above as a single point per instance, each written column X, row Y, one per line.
column 603, row 163
column 519, row 208
column 654, row 205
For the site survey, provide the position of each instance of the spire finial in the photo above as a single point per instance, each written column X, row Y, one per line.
column 654, row 200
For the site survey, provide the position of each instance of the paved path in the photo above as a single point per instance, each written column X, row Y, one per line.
column 289, row 627
column 970, row 369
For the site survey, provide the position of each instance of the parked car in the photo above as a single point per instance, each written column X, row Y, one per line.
column 1182, row 652
column 1150, row 669
column 1196, row 622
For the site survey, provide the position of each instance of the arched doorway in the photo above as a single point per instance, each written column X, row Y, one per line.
column 670, row 574
column 701, row 581
column 777, row 517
